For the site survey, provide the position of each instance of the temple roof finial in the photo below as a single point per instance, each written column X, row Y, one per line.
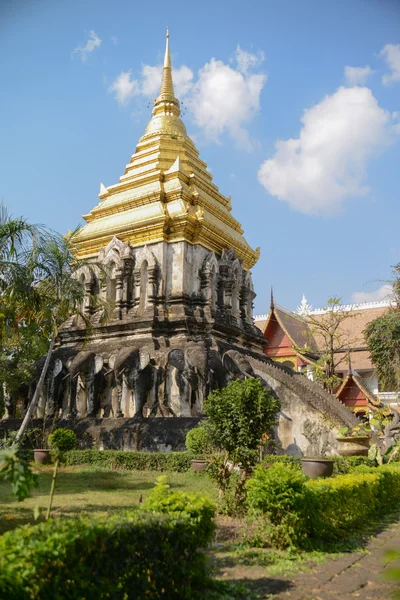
column 304, row 308
column 166, row 109
column 167, row 57
column 272, row 305
column 349, row 359
column 167, row 87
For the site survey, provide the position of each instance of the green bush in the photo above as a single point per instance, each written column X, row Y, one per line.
column 294, row 511
column 130, row 461
column 140, row 554
column 198, row 441
column 278, row 494
column 198, row 508
column 339, row 505
column 341, row 464
column 239, row 419
column 63, row 440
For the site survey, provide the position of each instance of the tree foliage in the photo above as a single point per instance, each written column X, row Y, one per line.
column 333, row 340
column 383, row 339
column 17, row 470
column 240, row 416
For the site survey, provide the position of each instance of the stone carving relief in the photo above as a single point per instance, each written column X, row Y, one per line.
column 130, row 383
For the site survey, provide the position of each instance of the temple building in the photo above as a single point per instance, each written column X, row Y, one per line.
column 292, row 342
column 163, row 250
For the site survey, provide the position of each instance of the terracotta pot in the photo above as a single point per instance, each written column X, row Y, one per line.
column 199, row 464
column 42, row 456
column 353, row 446
column 317, row 467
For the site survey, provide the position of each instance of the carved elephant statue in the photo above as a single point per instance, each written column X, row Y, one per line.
column 86, row 366
column 238, row 366
column 49, row 401
column 192, row 378
column 216, row 370
column 132, row 371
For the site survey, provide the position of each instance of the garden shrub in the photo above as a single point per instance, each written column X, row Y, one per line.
column 339, row 505
column 140, row 554
column 341, row 464
column 300, row 512
column 198, row 441
column 238, row 418
column 198, row 508
column 278, row 494
column 130, row 461
column 63, row 440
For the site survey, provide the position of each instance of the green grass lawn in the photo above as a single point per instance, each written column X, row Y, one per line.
column 91, row 490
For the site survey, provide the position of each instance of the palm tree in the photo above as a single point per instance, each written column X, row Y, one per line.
column 17, row 239
column 54, row 295
column 16, row 234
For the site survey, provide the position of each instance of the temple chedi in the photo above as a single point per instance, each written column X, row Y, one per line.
column 179, row 284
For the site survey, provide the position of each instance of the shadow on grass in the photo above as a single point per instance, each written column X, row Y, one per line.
column 102, row 481
column 77, row 511
column 15, row 518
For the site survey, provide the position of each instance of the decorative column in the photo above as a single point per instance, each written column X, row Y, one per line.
column 119, row 284
column 127, row 287
column 87, row 307
column 152, row 280
column 244, row 302
column 136, row 288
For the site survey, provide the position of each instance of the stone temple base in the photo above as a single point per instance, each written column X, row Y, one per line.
column 152, row 435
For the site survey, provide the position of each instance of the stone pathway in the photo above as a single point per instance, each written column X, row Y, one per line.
column 353, row 575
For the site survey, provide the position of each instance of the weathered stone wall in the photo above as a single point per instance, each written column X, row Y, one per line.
column 158, row 434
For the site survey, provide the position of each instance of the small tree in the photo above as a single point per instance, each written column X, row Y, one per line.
column 383, row 340
column 332, row 339
column 240, row 418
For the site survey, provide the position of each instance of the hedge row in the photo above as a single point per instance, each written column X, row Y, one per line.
column 180, row 461
column 141, row 554
column 138, row 461
column 341, row 466
column 294, row 511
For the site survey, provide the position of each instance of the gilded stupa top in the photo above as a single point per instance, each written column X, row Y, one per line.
column 166, row 193
column 166, row 109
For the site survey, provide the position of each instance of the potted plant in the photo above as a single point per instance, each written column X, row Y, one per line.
column 354, row 441
column 317, row 467
column 199, row 445
column 37, row 437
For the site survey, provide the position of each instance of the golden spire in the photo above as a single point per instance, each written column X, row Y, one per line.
column 167, row 94
column 166, row 109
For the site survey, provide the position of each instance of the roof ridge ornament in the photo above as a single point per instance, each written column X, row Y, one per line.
column 167, row 93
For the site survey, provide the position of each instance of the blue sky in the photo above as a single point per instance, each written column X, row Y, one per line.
column 309, row 150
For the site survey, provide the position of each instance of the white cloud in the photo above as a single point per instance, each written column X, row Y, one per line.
column 222, row 100
column 391, row 53
column 357, row 75
column 327, row 163
column 114, row 40
column 246, row 60
column 124, row 87
column 383, row 293
column 92, row 43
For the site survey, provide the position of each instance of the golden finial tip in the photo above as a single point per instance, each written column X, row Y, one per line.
column 167, row 34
